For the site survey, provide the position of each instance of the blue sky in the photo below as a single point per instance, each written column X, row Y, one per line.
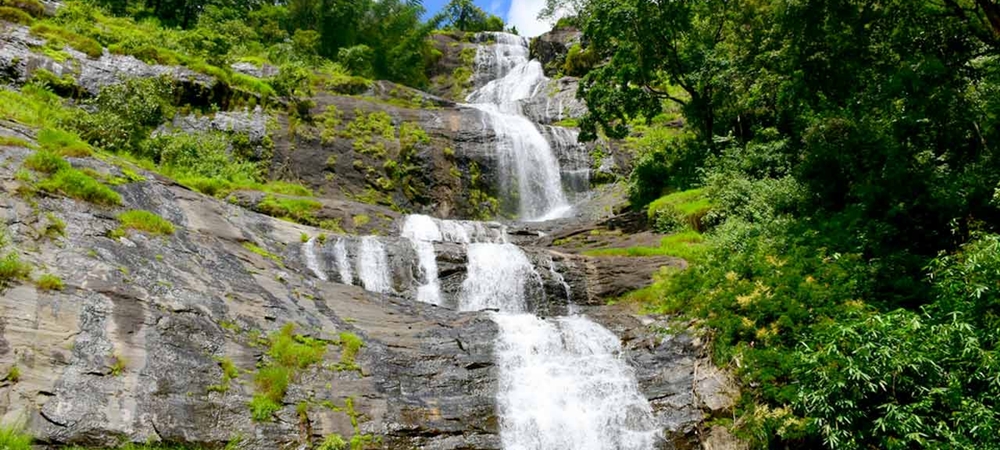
column 520, row 13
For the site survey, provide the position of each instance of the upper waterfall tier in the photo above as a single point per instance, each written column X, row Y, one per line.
column 527, row 166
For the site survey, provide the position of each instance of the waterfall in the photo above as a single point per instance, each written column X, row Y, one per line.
column 498, row 277
column 422, row 233
column 373, row 266
column 312, row 262
column 524, row 156
column 563, row 385
column 343, row 263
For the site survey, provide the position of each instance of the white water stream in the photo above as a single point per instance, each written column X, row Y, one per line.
column 563, row 382
column 525, row 161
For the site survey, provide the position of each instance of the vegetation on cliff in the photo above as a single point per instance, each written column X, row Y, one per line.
column 845, row 153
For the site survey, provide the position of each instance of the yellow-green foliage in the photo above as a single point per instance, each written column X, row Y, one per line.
column 62, row 142
column 55, row 226
column 119, row 365
column 12, row 269
column 350, row 346
column 329, row 121
column 34, row 106
column 145, row 221
column 33, row 7
column 579, row 61
column 295, row 351
column 333, row 442
column 79, row 42
column 64, row 85
column 361, row 220
column 13, row 438
column 687, row 245
column 15, row 15
column 76, row 184
column 288, row 353
column 46, row 162
column 292, row 209
column 680, row 210
column 229, row 373
column 49, row 282
column 14, row 374
column 10, row 141
column 369, row 132
column 253, row 248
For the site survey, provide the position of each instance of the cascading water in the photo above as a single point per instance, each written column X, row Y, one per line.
column 309, row 252
column 373, row 266
column 422, row 233
column 524, row 156
column 343, row 263
column 563, row 383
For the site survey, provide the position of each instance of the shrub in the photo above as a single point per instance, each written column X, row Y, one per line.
column 78, row 185
column 46, row 162
column 63, row 143
column 10, row 141
column 357, row 60
column 202, row 155
column 680, row 210
column 64, row 85
column 145, row 221
column 333, row 442
column 126, row 112
column 49, row 282
column 15, row 15
column 666, row 160
column 579, row 61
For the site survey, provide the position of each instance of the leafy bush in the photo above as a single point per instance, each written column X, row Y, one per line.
column 350, row 346
column 12, row 269
column 204, row 154
column 288, row 353
column 666, row 160
column 64, row 85
column 680, row 210
column 126, row 112
column 579, row 61
column 357, row 60
column 295, row 351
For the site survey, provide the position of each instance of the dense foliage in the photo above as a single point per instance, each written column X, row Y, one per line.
column 846, row 150
column 386, row 39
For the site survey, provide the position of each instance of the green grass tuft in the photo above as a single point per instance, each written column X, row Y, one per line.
column 63, row 143
column 46, row 162
column 14, row 15
column 49, row 282
column 680, row 210
column 78, row 185
column 13, row 438
column 145, row 221
column 79, row 42
column 291, row 209
column 253, row 248
column 688, row 245
column 351, row 344
column 12, row 269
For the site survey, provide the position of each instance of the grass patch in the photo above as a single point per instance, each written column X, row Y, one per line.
column 14, row 374
column 350, row 346
column 361, row 220
column 14, row 438
column 46, row 162
column 63, row 143
column 229, row 373
column 292, row 209
column 141, row 220
column 76, row 184
column 688, row 245
column 287, row 354
column 33, row 7
column 79, row 42
column 680, row 210
column 49, row 282
column 15, row 15
column 12, row 269
column 10, row 141
column 567, row 123
column 253, row 248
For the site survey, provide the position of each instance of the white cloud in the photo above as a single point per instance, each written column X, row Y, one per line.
column 523, row 14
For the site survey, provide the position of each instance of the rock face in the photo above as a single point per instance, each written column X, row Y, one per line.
column 551, row 48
